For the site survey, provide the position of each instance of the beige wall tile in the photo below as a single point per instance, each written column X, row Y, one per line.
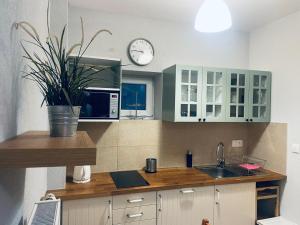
column 134, row 157
column 202, row 140
column 107, row 160
column 269, row 142
column 171, row 156
column 126, row 145
column 139, row 132
column 103, row 134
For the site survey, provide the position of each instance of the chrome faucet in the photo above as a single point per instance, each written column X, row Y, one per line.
column 220, row 155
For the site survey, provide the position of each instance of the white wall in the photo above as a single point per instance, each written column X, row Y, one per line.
column 59, row 17
column 276, row 47
column 19, row 109
column 173, row 43
column 56, row 176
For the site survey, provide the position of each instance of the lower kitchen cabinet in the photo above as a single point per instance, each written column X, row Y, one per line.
column 232, row 204
column 134, row 200
column 235, row 204
column 141, row 222
column 135, row 209
column 129, row 215
column 185, row 206
column 92, row 211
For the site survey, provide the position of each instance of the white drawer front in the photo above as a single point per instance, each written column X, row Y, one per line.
column 134, row 200
column 141, row 222
column 128, row 215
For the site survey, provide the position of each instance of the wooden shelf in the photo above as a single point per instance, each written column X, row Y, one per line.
column 268, row 203
column 38, row 149
column 266, row 197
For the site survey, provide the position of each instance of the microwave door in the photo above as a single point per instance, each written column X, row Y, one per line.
column 96, row 105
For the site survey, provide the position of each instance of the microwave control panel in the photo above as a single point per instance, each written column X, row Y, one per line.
column 114, row 105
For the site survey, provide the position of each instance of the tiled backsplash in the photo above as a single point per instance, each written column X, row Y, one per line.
column 126, row 145
column 269, row 141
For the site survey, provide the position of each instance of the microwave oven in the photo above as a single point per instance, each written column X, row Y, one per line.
column 100, row 104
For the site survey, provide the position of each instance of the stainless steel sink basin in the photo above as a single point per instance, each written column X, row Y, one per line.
column 226, row 172
column 217, row 172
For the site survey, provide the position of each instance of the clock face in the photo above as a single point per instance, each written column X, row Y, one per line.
column 141, row 51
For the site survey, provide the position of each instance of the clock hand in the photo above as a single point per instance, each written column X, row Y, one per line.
column 137, row 51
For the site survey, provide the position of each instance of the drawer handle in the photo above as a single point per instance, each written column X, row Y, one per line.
column 135, row 215
column 110, row 209
column 187, row 191
column 161, row 203
column 135, row 200
column 218, row 197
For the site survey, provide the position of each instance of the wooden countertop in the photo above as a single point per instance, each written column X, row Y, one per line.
column 102, row 184
column 38, row 149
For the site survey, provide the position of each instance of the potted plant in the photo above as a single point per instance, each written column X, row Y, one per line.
column 62, row 86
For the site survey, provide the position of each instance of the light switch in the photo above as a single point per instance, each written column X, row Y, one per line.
column 237, row 143
column 296, row 148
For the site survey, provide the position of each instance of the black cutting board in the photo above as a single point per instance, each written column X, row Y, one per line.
column 128, row 179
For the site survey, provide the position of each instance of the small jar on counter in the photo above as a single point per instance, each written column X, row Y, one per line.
column 189, row 159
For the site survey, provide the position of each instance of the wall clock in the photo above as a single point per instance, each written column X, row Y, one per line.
column 141, row 51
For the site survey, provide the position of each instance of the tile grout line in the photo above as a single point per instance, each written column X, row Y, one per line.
column 118, row 146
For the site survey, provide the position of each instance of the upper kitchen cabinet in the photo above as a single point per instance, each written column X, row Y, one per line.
column 237, row 99
column 248, row 96
column 260, row 96
column 182, row 88
column 200, row 94
column 214, row 95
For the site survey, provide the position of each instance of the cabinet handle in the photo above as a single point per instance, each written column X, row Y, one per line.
column 204, row 120
column 199, row 120
column 135, row 200
column 251, row 120
column 218, row 197
column 110, row 209
column 187, row 191
column 135, row 215
column 161, row 203
column 247, row 120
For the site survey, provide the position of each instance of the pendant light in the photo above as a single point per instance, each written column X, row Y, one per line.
column 213, row 16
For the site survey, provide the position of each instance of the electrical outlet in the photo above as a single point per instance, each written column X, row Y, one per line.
column 237, row 143
column 296, row 148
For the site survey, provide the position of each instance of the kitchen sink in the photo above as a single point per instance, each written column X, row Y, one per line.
column 217, row 172
column 227, row 171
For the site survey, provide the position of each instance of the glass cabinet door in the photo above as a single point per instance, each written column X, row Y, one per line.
column 214, row 93
column 260, row 96
column 189, row 81
column 237, row 101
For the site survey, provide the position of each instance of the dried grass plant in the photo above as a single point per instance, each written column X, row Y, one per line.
column 59, row 83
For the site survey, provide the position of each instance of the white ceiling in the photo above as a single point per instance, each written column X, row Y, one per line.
column 246, row 14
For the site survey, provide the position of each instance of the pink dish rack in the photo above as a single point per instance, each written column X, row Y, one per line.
column 251, row 163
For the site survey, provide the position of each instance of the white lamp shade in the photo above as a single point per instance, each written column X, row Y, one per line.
column 213, row 16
